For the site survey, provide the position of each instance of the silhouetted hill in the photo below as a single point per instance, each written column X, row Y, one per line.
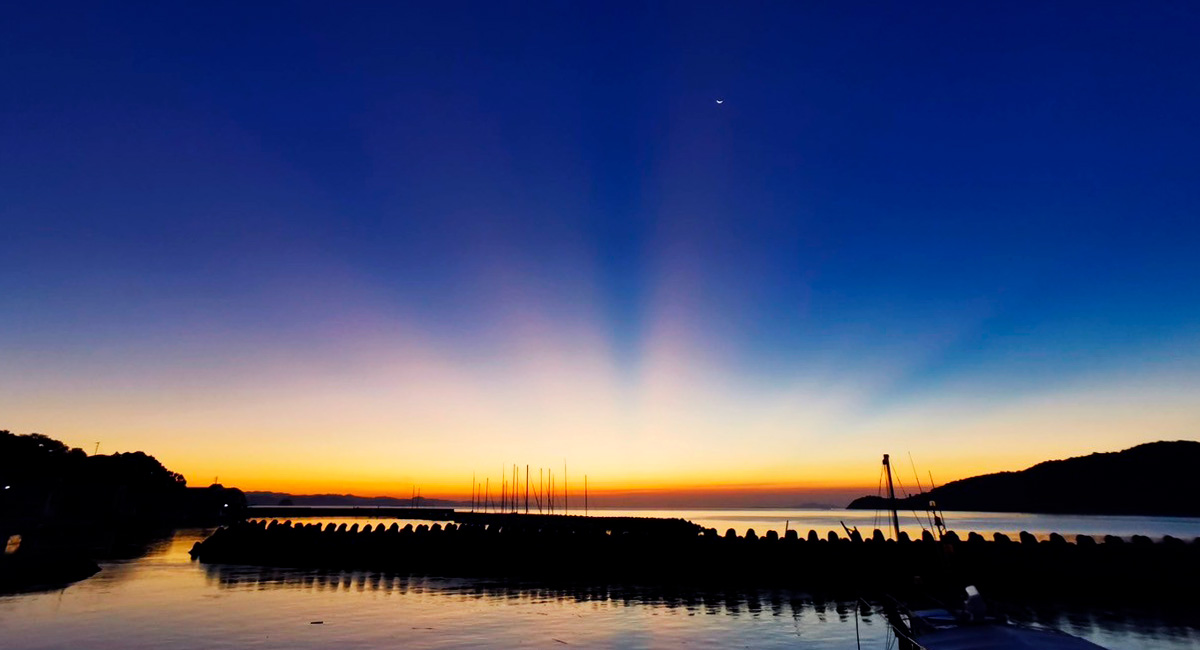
column 46, row 483
column 1151, row 479
column 278, row 498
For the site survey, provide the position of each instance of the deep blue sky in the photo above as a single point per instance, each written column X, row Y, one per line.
column 908, row 198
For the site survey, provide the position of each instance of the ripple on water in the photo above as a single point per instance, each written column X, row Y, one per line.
column 164, row 600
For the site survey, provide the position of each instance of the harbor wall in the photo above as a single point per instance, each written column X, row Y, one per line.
column 1110, row 569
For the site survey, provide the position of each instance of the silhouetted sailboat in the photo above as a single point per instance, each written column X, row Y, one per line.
column 971, row 627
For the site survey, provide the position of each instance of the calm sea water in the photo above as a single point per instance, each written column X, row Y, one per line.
column 165, row 600
column 984, row 523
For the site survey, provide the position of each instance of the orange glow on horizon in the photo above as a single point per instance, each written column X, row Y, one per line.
column 685, row 488
column 385, row 413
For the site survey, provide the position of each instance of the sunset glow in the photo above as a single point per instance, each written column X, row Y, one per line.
column 438, row 255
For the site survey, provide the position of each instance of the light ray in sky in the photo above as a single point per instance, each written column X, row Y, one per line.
column 420, row 245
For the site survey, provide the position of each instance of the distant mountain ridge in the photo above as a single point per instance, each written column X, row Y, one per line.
column 275, row 498
column 1156, row 478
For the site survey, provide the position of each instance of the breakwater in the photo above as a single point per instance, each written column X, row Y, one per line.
column 509, row 520
column 1109, row 569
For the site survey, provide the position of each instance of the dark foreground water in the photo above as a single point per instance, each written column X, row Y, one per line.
column 165, row 600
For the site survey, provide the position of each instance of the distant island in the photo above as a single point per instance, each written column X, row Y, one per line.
column 285, row 499
column 266, row 498
column 1151, row 479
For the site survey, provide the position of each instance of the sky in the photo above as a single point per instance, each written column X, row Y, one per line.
column 366, row 247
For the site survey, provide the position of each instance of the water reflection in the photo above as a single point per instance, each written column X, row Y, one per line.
column 1178, row 624
column 1108, row 626
column 1115, row 627
column 716, row 602
column 164, row 600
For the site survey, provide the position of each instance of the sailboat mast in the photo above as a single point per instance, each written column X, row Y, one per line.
column 892, row 498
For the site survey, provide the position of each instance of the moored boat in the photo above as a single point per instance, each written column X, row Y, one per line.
column 971, row 627
column 974, row 629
